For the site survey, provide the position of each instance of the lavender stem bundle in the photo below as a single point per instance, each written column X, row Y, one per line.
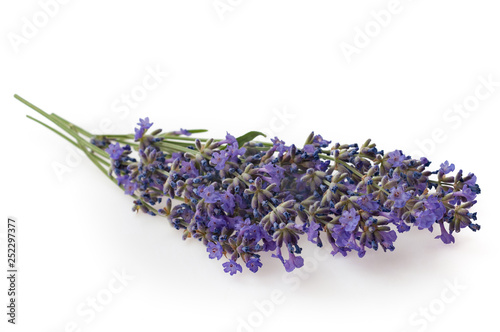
column 242, row 197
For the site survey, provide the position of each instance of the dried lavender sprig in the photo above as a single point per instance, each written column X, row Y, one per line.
column 242, row 197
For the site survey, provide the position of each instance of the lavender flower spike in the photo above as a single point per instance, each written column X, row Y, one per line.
column 244, row 198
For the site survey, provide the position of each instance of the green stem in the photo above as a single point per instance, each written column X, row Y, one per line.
column 126, row 142
column 131, row 136
column 96, row 162
column 175, row 137
column 54, row 130
column 184, row 144
column 63, row 126
column 176, row 147
column 66, row 138
column 80, row 130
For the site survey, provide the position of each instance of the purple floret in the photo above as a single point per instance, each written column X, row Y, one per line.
column 367, row 203
column 144, row 123
column 446, row 168
column 232, row 267
column 219, row 160
column 115, row 151
column 349, row 219
column 254, row 264
column 399, row 196
column 214, row 250
column 396, row 158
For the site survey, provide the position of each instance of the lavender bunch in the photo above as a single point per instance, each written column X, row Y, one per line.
column 241, row 197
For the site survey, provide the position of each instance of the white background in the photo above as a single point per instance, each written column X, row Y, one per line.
column 276, row 66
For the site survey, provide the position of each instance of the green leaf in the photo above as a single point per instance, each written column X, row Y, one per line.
column 197, row 131
column 248, row 137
